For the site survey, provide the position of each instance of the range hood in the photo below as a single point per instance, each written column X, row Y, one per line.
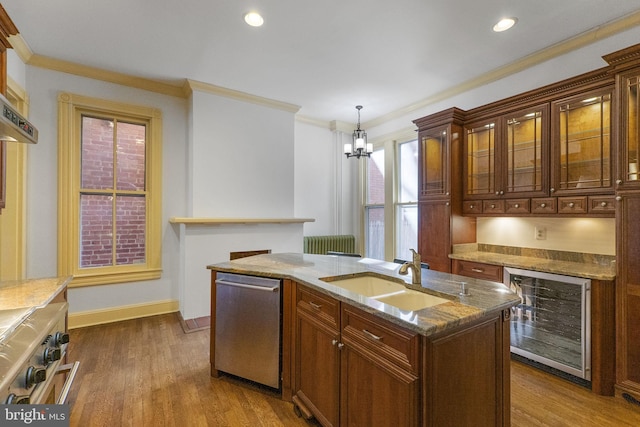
column 14, row 127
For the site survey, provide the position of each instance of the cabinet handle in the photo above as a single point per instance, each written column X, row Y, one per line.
column 372, row 336
column 517, row 205
column 478, row 270
column 314, row 305
column 571, row 204
column 603, row 204
column 543, row 205
column 553, row 190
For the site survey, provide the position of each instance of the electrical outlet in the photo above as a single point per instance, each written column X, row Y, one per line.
column 540, row 233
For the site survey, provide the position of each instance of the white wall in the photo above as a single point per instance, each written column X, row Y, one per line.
column 326, row 182
column 43, row 87
column 242, row 162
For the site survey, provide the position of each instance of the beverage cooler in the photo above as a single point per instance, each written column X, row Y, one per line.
column 551, row 325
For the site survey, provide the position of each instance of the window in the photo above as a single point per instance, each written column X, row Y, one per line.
column 391, row 208
column 110, row 165
column 407, row 206
column 374, row 207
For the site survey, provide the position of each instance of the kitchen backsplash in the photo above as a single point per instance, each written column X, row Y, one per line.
column 580, row 235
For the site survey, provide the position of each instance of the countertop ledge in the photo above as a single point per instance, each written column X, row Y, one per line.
column 484, row 297
column 567, row 268
column 222, row 221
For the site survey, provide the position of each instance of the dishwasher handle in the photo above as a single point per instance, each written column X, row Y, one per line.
column 243, row 285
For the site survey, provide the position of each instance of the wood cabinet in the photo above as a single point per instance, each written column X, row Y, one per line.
column 440, row 221
column 478, row 270
column 355, row 368
column 351, row 367
column 626, row 65
column 466, row 375
column 628, row 293
column 581, row 139
column 317, row 367
column 507, row 155
column 522, row 154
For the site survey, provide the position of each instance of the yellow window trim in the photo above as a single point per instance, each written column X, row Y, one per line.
column 70, row 109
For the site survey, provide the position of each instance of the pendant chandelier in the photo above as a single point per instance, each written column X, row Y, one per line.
column 360, row 147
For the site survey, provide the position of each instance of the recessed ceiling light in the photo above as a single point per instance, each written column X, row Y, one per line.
column 254, row 19
column 505, row 24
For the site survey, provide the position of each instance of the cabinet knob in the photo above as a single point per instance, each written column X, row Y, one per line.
column 618, row 198
column 618, row 181
column 497, row 193
column 603, row 204
column 447, row 193
column 501, row 192
column 334, row 342
column 553, row 190
column 543, row 205
column 517, row 205
column 447, row 203
column 471, row 206
column 571, row 204
column 493, row 206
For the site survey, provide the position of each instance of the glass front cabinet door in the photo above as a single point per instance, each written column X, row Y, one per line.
column 630, row 129
column 434, row 154
column 581, row 130
column 507, row 155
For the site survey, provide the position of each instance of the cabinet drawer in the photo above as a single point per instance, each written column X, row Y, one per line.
column 493, row 206
column 320, row 306
column 572, row 205
column 471, row 207
column 602, row 204
column 546, row 205
column 517, row 206
column 478, row 270
column 382, row 340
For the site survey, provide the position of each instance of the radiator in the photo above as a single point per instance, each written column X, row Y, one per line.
column 322, row 244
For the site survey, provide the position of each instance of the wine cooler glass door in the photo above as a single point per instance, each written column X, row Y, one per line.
column 551, row 324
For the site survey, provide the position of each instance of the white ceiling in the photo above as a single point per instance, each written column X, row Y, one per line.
column 325, row 56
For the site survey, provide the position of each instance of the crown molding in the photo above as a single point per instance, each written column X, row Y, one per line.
column 591, row 36
column 193, row 85
column 314, row 122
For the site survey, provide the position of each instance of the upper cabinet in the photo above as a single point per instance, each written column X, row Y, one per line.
column 507, row 155
column 545, row 152
column 629, row 84
column 581, row 144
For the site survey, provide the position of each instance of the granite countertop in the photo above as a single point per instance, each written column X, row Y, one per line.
column 484, row 297
column 588, row 266
column 20, row 298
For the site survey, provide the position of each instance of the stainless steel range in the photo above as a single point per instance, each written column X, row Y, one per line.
column 34, row 340
column 33, row 346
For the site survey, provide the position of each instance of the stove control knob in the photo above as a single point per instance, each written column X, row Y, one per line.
column 19, row 400
column 60, row 338
column 35, row 376
column 51, row 355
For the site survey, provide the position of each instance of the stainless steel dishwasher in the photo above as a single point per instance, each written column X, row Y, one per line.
column 248, row 327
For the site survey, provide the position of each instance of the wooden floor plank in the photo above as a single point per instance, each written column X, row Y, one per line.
column 148, row 372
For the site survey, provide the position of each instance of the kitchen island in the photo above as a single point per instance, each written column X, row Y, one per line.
column 350, row 358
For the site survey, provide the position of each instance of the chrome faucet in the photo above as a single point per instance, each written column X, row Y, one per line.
column 415, row 267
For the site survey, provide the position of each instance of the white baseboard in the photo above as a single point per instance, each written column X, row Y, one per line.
column 126, row 312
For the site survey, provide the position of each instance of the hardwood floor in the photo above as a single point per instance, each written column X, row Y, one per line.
column 148, row 372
